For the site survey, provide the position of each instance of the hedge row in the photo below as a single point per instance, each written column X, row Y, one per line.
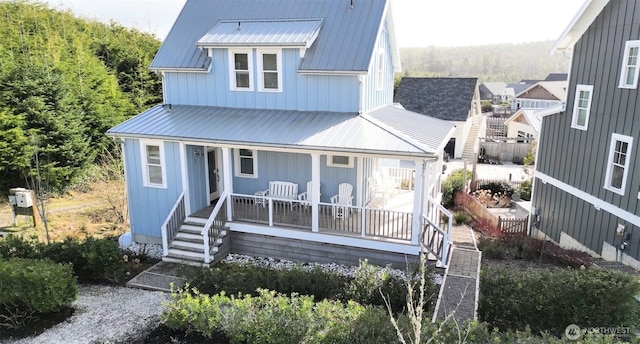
column 552, row 299
column 272, row 318
column 366, row 287
column 92, row 260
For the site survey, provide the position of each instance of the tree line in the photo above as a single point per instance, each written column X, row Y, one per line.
column 63, row 82
column 509, row 63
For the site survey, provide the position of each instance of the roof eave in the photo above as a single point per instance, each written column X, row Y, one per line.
column 578, row 25
column 423, row 154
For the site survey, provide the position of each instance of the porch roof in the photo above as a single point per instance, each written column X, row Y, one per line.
column 385, row 131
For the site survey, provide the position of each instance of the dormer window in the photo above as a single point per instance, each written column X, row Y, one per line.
column 240, row 74
column 269, row 70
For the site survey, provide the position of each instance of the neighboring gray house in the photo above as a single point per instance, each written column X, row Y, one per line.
column 587, row 178
column 456, row 100
column 541, row 95
column 493, row 91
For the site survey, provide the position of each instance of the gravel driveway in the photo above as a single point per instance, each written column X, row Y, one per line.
column 105, row 315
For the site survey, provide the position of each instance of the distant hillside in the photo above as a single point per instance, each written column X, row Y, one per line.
column 500, row 62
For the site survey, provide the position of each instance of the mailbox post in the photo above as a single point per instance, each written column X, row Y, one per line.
column 23, row 203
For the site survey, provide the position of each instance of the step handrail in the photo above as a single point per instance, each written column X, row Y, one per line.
column 440, row 249
column 209, row 231
column 173, row 221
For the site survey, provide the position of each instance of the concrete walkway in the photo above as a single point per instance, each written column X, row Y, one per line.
column 460, row 286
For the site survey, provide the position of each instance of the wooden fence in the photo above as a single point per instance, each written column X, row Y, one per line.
column 515, row 184
column 513, row 226
column 504, row 149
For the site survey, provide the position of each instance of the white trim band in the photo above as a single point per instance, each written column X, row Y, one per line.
column 595, row 201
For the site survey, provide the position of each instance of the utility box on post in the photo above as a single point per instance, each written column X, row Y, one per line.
column 22, row 203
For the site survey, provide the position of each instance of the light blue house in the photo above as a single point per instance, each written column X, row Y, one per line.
column 294, row 98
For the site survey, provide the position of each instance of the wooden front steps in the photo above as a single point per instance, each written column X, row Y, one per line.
column 187, row 247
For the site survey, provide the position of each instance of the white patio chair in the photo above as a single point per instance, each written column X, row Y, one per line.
column 305, row 198
column 342, row 201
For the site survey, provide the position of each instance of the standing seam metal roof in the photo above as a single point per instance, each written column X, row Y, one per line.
column 314, row 130
column 301, row 33
column 346, row 40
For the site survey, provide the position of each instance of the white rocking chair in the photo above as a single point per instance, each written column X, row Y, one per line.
column 342, row 201
column 306, row 198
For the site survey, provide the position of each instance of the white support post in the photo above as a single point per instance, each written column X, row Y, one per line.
column 227, row 180
column 270, row 200
column 418, row 198
column 363, row 221
column 315, row 195
column 185, row 178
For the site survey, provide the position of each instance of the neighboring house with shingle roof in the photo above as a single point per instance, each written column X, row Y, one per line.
column 557, row 77
column 493, row 91
column 541, row 95
column 456, row 100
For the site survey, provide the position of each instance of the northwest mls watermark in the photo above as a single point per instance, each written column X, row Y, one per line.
column 575, row 332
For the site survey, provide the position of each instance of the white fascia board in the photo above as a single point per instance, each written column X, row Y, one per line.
column 578, row 25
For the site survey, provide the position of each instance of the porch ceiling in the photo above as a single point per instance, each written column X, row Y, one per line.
column 384, row 131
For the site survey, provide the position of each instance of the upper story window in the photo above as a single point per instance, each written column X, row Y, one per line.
column 629, row 73
column 246, row 163
column 339, row 161
column 153, row 171
column 582, row 107
column 240, row 71
column 618, row 163
column 269, row 71
column 380, row 69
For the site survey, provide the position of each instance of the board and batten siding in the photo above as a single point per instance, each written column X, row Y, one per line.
column 295, row 168
column 561, row 211
column 150, row 206
column 299, row 91
column 579, row 158
column 374, row 97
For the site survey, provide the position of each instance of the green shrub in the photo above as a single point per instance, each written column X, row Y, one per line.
column 497, row 187
column 551, row 299
column 30, row 287
column 271, row 318
column 461, row 218
column 246, row 279
column 93, row 260
column 525, row 189
column 486, row 106
column 452, row 184
column 364, row 288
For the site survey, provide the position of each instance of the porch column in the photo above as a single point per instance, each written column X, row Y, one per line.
column 227, row 179
column 418, row 194
column 315, row 195
column 185, row 178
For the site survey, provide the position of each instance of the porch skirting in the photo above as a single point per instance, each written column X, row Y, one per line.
column 308, row 251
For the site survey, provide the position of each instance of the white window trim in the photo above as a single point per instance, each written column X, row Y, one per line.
column 612, row 146
column 232, row 69
column 238, row 173
column 330, row 162
column 145, row 170
column 259, row 54
column 380, row 67
column 574, row 119
column 623, row 80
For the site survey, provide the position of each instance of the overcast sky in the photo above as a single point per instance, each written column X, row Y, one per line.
column 419, row 23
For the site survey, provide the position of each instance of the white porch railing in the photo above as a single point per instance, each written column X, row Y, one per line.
column 364, row 222
column 404, row 175
column 435, row 239
column 172, row 224
column 214, row 226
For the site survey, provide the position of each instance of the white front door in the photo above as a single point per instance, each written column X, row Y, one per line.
column 213, row 173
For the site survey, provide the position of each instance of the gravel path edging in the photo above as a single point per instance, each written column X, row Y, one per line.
column 106, row 314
